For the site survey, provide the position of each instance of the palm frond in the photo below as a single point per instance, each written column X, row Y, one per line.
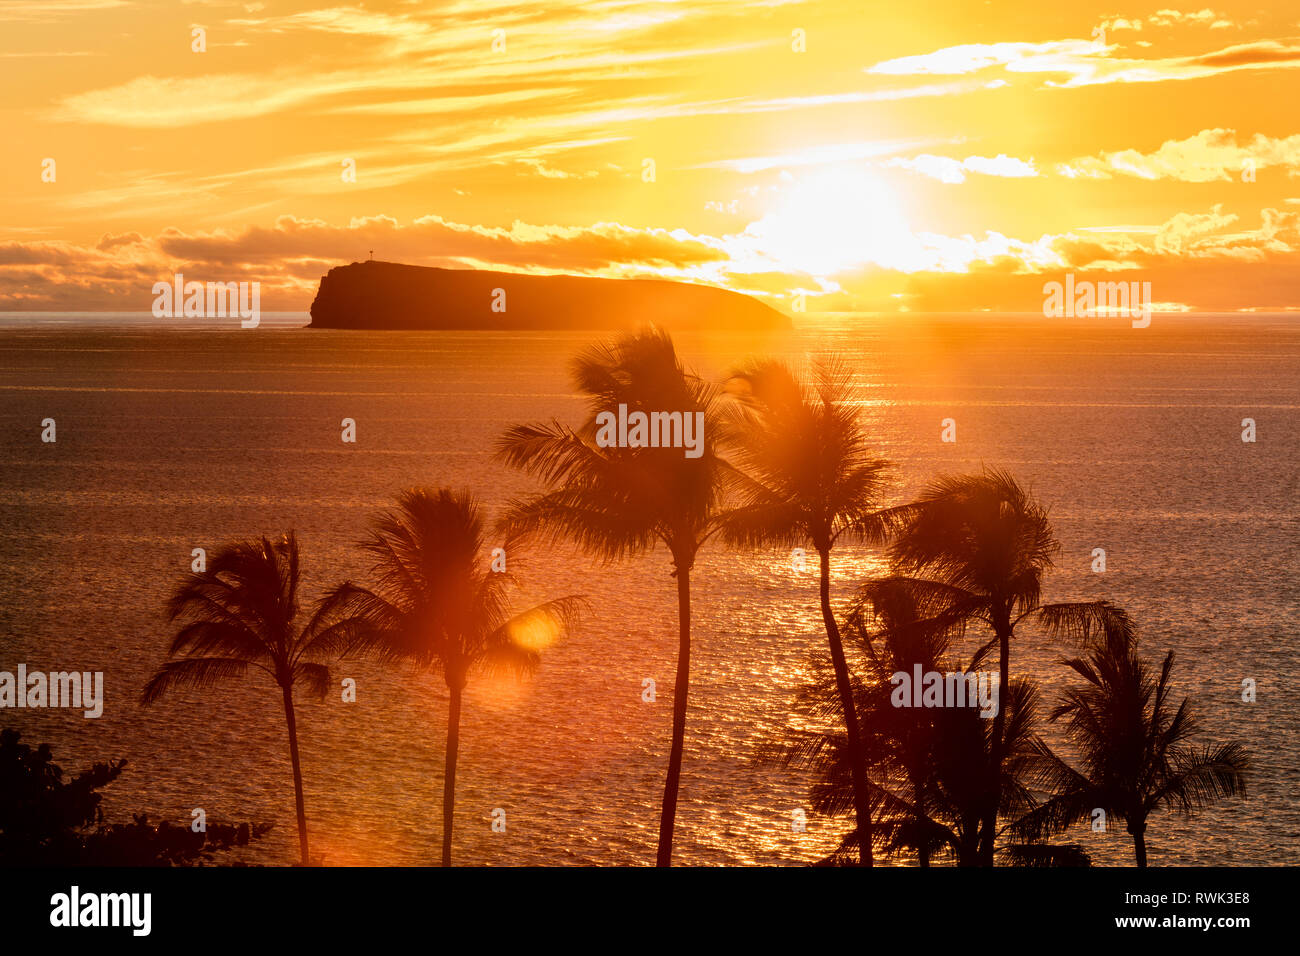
column 313, row 677
column 200, row 672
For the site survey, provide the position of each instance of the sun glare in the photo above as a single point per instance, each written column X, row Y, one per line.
column 833, row 221
column 534, row 633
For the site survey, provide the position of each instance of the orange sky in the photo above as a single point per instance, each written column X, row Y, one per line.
column 922, row 156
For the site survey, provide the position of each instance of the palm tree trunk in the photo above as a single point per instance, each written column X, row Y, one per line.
column 968, row 855
column 1140, row 844
column 297, row 772
column 968, row 847
column 449, row 770
column 857, row 759
column 681, row 690
column 989, row 824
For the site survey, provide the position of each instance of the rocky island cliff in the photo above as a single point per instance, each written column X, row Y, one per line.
column 389, row 295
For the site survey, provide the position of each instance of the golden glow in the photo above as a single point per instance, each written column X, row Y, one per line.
column 534, row 633
column 942, row 160
column 831, row 221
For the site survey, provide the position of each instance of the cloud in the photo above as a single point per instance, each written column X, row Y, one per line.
column 1206, row 16
column 948, row 170
column 973, row 57
column 1088, row 63
column 440, row 51
column 825, row 153
column 1185, row 229
column 162, row 102
column 1208, row 156
column 41, row 11
column 540, row 168
column 432, row 240
column 290, row 256
column 125, row 239
column 1190, row 258
column 1116, row 24
column 1166, row 18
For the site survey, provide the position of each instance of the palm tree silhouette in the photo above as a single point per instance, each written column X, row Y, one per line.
column 615, row 502
column 899, row 623
column 241, row 611
column 434, row 600
column 931, row 763
column 989, row 541
column 1133, row 745
column 810, row 475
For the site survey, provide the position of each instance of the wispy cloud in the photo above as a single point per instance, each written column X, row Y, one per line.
column 43, row 11
column 1088, row 63
column 817, row 155
column 949, row 170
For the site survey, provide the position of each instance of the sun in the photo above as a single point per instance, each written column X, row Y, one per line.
column 834, row 221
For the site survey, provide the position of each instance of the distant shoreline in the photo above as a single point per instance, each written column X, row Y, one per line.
column 394, row 295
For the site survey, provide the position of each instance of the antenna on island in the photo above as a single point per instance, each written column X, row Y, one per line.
column 372, row 254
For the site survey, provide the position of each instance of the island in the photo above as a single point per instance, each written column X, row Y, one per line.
column 390, row 295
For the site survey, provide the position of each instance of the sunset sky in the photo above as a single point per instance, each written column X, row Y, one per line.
column 918, row 156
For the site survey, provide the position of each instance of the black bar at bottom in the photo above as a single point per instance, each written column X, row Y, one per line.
column 697, row 906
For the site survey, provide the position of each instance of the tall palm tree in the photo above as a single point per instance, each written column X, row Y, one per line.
column 811, row 476
column 434, row 600
column 242, row 611
column 986, row 538
column 619, row 501
column 1133, row 743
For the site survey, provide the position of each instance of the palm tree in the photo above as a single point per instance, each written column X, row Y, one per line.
column 990, row 542
column 241, row 611
column 434, row 600
column 899, row 624
column 1133, row 745
column 930, row 763
column 931, row 805
column 810, row 477
column 619, row 501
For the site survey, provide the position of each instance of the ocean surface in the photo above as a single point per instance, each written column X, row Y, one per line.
column 172, row 438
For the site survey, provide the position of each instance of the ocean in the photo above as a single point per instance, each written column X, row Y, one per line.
column 176, row 437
